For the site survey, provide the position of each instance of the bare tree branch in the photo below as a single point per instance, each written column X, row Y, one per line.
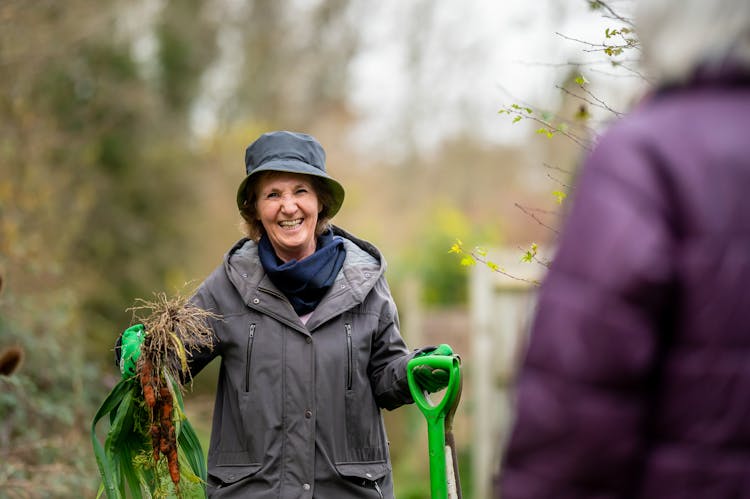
column 496, row 268
column 558, row 181
column 529, row 213
column 541, row 210
column 552, row 167
column 631, row 73
column 596, row 102
column 613, row 13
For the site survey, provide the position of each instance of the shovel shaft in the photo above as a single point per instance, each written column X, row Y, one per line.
column 438, row 458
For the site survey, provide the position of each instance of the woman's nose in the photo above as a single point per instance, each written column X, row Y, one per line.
column 288, row 204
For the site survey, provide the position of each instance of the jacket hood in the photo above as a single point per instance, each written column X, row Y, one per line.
column 363, row 266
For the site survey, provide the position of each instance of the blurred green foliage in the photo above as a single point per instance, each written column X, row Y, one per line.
column 45, row 413
column 444, row 283
column 90, row 214
column 99, row 168
column 103, row 183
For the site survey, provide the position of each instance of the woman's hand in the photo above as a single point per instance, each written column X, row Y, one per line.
column 132, row 339
column 433, row 380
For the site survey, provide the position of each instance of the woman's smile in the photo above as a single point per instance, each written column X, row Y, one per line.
column 291, row 224
column 288, row 208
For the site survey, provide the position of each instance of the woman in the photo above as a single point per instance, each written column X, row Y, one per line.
column 636, row 380
column 309, row 340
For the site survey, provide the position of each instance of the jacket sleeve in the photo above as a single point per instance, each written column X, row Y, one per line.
column 389, row 354
column 204, row 299
column 582, row 391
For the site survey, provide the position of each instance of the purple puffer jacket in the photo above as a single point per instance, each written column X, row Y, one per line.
column 636, row 381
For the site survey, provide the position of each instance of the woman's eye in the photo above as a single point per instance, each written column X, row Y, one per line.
column 272, row 195
column 301, row 190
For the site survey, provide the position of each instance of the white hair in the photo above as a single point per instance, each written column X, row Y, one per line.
column 678, row 36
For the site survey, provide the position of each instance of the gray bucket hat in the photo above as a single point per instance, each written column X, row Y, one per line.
column 291, row 152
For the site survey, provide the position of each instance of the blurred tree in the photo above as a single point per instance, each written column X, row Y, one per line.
column 186, row 46
column 100, row 176
column 92, row 196
column 293, row 59
column 443, row 282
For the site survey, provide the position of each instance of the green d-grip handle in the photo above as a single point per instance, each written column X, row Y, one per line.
column 436, row 415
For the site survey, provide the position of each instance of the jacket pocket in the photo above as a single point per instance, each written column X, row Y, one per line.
column 366, row 474
column 365, row 435
column 251, row 435
column 222, row 475
column 249, row 356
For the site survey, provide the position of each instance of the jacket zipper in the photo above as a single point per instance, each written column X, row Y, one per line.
column 366, row 483
column 349, row 356
column 377, row 487
column 250, row 340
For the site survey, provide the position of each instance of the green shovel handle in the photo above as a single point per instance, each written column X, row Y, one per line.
column 436, row 415
column 450, row 363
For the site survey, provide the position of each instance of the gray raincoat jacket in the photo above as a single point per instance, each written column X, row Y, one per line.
column 297, row 411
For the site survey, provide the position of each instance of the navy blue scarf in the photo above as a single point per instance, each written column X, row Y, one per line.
column 304, row 282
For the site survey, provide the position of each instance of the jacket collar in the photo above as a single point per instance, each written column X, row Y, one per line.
column 362, row 268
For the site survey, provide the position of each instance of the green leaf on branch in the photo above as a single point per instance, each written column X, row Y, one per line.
column 457, row 247
column 581, row 80
column 468, row 261
column 516, row 119
column 530, row 254
column 609, row 33
column 546, row 131
column 559, row 196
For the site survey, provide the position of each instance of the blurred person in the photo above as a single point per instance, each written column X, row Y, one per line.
column 636, row 377
column 308, row 338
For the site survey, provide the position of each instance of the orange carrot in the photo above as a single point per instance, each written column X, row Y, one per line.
column 155, row 439
column 165, row 399
column 164, row 440
column 172, row 462
column 174, row 467
column 148, row 382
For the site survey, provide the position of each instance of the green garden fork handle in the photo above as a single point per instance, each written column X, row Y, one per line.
column 444, row 478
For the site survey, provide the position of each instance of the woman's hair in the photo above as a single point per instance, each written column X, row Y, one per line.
column 680, row 36
column 251, row 225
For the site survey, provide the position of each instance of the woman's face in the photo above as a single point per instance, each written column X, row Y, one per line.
column 288, row 208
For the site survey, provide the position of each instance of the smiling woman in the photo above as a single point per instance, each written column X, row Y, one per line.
column 309, row 340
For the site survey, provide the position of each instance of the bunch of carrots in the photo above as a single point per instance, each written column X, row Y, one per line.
column 161, row 427
column 146, row 411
